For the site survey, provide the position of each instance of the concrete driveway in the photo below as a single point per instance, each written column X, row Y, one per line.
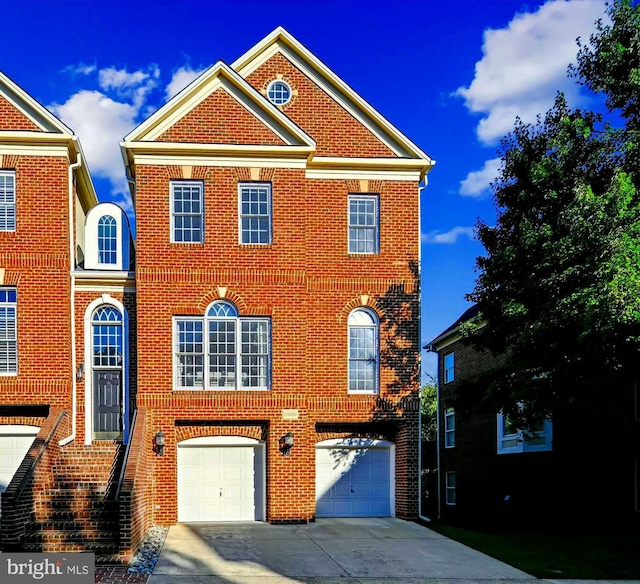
column 329, row 551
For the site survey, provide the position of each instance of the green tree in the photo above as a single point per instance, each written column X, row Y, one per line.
column 429, row 409
column 559, row 286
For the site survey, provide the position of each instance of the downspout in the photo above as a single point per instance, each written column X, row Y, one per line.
column 420, row 515
column 72, row 303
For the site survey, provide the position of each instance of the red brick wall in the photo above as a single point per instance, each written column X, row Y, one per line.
column 336, row 132
column 36, row 260
column 12, row 119
column 216, row 120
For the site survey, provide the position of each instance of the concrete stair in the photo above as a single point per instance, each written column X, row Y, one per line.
column 78, row 511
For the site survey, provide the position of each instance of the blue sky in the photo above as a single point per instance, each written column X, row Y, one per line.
column 451, row 74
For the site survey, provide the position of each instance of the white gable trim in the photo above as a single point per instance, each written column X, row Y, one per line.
column 220, row 76
column 281, row 41
column 31, row 108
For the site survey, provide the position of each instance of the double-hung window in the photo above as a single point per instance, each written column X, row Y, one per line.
column 8, row 332
column 187, row 211
column 449, row 428
column 449, row 367
column 363, row 224
column 254, row 201
column 512, row 439
column 363, row 351
column 450, row 488
column 7, row 200
column 222, row 350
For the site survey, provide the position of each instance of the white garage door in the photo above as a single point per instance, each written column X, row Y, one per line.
column 15, row 442
column 216, row 483
column 354, row 479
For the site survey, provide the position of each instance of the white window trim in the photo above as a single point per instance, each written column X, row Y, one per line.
column 173, row 215
column 376, row 228
column 448, row 489
column 117, row 239
column 449, row 372
column 376, row 338
column 15, row 306
column 205, row 365
column 283, row 83
column 248, row 184
column 12, row 174
column 523, row 445
column 449, row 413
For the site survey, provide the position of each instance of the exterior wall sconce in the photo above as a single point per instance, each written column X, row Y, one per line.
column 158, row 443
column 285, row 444
column 80, row 372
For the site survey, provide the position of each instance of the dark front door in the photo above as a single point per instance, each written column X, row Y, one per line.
column 107, row 405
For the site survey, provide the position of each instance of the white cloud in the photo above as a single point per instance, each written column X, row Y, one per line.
column 136, row 85
column 477, row 182
column 101, row 123
column 450, row 236
column 180, row 79
column 79, row 69
column 525, row 64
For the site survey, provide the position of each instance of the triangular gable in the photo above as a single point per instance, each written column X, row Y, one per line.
column 28, row 109
column 220, row 77
column 281, row 41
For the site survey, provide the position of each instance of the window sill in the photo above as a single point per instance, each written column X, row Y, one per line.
column 221, row 389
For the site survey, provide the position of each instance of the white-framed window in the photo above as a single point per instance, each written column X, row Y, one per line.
column 512, row 439
column 450, row 488
column 8, row 331
column 107, row 240
column 449, row 367
column 187, row 212
column 363, row 224
column 107, row 337
column 7, row 200
column 254, row 203
column 279, row 92
column 223, row 350
column 363, row 351
column 449, row 428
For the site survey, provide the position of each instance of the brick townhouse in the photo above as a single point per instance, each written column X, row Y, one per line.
column 255, row 356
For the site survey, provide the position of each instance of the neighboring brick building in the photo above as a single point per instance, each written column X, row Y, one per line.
column 572, row 470
column 275, row 298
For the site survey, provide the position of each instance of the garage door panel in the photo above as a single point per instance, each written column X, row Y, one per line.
column 216, row 483
column 353, row 482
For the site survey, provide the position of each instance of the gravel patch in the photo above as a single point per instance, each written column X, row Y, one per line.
column 147, row 555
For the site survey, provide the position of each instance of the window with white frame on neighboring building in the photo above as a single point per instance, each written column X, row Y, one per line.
column 187, row 211
column 8, row 332
column 255, row 212
column 107, row 240
column 449, row 428
column 7, row 200
column 449, row 367
column 450, row 488
column 512, row 439
column 363, row 351
column 223, row 350
column 363, row 224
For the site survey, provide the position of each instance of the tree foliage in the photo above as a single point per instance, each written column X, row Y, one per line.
column 559, row 286
column 429, row 409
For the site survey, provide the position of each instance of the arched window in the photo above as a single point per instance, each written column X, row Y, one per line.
column 107, row 337
column 107, row 240
column 222, row 350
column 363, row 351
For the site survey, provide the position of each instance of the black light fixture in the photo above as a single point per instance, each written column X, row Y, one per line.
column 80, row 372
column 285, row 444
column 158, row 443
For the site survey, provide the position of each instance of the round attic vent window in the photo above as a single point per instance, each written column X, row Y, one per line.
column 279, row 92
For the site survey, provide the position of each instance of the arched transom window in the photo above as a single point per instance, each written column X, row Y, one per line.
column 363, row 351
column 222, row 350
column 107, row 337
column 107, row 240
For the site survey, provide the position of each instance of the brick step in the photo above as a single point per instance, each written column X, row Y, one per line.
column 58, row 536
column 73, row 487
column 84, row 524
column 90, row 514
column 108, row 549
column 113, row 560
column 62, row 503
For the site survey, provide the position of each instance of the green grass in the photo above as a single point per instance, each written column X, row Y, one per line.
column 556, row 554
